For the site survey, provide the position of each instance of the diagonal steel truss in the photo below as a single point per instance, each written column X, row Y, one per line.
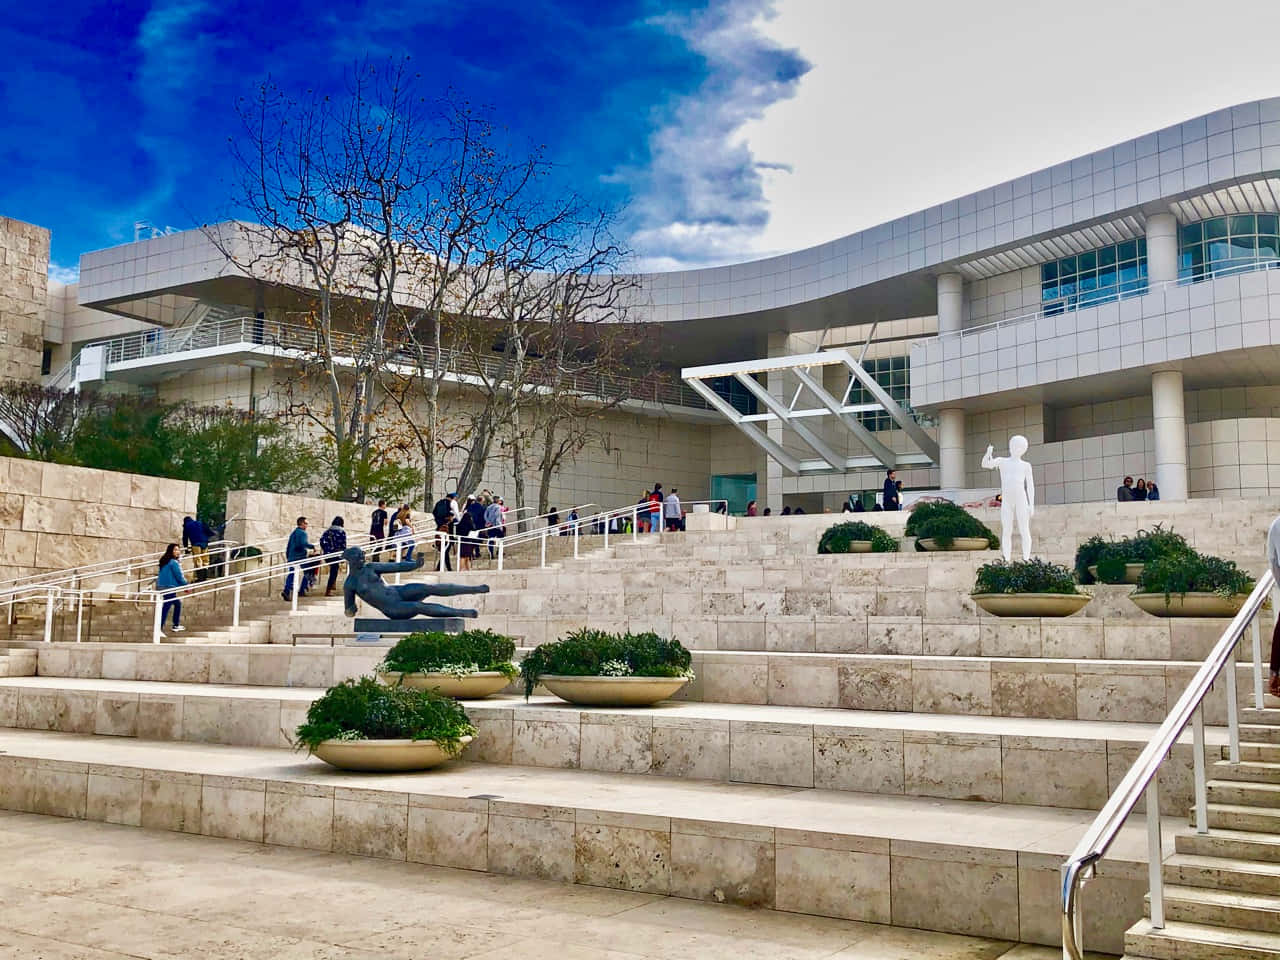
column 778, row 410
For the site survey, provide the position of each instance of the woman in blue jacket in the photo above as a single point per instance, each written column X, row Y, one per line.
column 168, row 579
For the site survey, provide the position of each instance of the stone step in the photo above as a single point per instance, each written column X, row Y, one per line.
column 1259, row 752
column 18, row 663
column 1259, row 733
column 1244, row 817
column 1267, row 716
column 1223, row 908
column 1179, row 940
column 1066, row 689
column 1251, row 771
column 1231, row 844
column 971, row 758
column 1245, row 794
column 956, row 866
column 1223, row 873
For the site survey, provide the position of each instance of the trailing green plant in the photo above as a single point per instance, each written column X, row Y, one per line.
column 457, row 654
column 1145, row 546
column 1024, row 576
column 945, row 523
column 838, row 537
column 1192, row 572
column 595, row 653
column 364, row 709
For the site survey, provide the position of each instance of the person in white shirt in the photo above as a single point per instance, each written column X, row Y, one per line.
column 671, row 511
column 1273, row 561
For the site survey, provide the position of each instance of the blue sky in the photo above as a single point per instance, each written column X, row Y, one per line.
column 120, row 111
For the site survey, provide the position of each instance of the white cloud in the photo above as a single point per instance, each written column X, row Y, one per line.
column 61, row 274
column 701, row 198
column 911, row 104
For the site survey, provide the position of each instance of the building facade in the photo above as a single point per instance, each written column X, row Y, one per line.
column 1121, row 310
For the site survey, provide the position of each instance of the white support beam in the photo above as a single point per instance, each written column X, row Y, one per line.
column 887, row 457
column 754, row 433
column 783, row 413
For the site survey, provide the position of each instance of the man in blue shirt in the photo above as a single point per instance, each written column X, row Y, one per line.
column 890, row 495
column 296, row 550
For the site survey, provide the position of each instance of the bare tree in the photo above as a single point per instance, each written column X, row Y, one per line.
column 41, row 421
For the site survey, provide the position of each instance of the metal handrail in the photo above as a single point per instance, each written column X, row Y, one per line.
column 1142, row 777
column 1059, row 307
column 265, row 334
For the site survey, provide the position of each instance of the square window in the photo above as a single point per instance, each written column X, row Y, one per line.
column 1127, row 250
column 1087, row 262
column 1106, row 256
column 1215, row 229
column 1142, row 247
column 1066, row 266
column 1048, row 272
column 1243, row 224
column 1191, row 233
column 1268, row 223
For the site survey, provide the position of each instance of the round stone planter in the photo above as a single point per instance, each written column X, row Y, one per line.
column 613, row 691
column 1031, row 604
column 471, row 687
column 1189, row 604
column 383, row 755
column 959, row 543
column 1132, row 571
column 859, row 546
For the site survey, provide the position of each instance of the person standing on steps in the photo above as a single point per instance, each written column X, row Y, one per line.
column 169, row 579
column 196, row 539
column 442, row 513
column 378, row 529
column 889, row 496
column 333, row 541
column 493, row 526
column 298, row 548
column 1273, row 561
column 671, row 511
column 655, row 508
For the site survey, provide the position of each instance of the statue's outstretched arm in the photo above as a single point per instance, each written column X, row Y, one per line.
column 349, row 600
column 989, row 462
column 404, row 566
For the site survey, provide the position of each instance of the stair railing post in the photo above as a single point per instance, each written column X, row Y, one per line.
column 1233, row 708
column 1259, row 700
column 48, row 616
column 635, row 524
column 607, row 521
column 575, row 541
column 542, row 544
column 501, row 551
column 1197, row 760
column 296, row 588
column 1155, row 853
column 79, row 614
column 155, row 617
column 235, row 602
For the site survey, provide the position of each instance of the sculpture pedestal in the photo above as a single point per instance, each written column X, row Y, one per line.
column 382, row 626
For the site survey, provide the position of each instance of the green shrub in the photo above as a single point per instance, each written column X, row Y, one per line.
column 836, row 538
column 364, row 709
column 1146, row 546
column 1191, row 572
column 459, row 654
column 945, row 522
column 594, row 653
column 1112, row 568
column 1024, row 576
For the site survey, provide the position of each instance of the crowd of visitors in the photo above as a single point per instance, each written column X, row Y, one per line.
column 1128, row 491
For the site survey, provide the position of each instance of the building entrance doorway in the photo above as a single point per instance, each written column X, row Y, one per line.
column 738, row 488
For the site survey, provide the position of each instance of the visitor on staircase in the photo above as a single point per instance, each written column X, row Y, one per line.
column 493, row 525
column 333, row 541
column 378, row 530
column 168, row 579
column 195, row 538
column 297, row 549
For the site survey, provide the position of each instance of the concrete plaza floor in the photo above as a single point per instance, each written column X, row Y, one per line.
column 77, row 890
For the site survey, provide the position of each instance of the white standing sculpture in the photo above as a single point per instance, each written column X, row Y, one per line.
column 1017, row 495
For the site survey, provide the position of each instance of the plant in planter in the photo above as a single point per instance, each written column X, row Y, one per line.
column 608, row 669
column 1120, row 561
column 945, row 526
column 473, row 663
column 856, row 537
column 1191, row 584
column 362, row 724
column 1027, row 588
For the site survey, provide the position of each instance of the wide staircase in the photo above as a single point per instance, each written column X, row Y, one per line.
column 861, row 741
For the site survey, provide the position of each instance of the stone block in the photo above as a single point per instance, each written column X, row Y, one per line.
column 691, row 749
column 804, row 681
column 945, row 685
column 952, row 765
column 114, row 795
column 172, row 801
column 1055, row 773
column 876, row 685
column 723, row 863
column 541, row 846
column 955, row 889
column 233, row 808
column 623, row 851
column 449, row 832
column 762, row 752
column 848, row 879
column 370, row 823
column 861, row 760
column 1033, row 689
column 298, row 815
column 545, row 738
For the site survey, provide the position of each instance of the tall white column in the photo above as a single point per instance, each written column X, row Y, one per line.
column 951, row 449
column 950, row 302
column 1170, row 428
column 1162, row 248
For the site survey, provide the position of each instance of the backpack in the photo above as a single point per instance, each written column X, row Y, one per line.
column 442, row 511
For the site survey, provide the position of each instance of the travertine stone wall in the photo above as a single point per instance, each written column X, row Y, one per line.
column 24, row 284
column 54, row 516
column 255, row 516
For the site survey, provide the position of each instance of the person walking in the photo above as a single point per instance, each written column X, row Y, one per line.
column 671, row 511
column 195, row 538
column 403, row 533
column 442, row 513
column 1273, row 561
column 889, row 496
column 332, row 542
column 493, row 525
column 655, row 508
column 378, row 529
column 169, row 579
column 296, row 550
column 465, row 529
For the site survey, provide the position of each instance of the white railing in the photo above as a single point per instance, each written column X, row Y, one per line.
column 1143, row 777
column 1057, row 308
column 301, row 340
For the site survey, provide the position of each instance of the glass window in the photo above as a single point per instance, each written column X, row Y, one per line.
column 1095, row 276
column 1127, row 250
column 1191, row 233
column 1243, row 224
column 1106, row 256
column 894, row 375
column 1049, row 272
column 1215, row 229
column 1267, row 223
column 1234, row 243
